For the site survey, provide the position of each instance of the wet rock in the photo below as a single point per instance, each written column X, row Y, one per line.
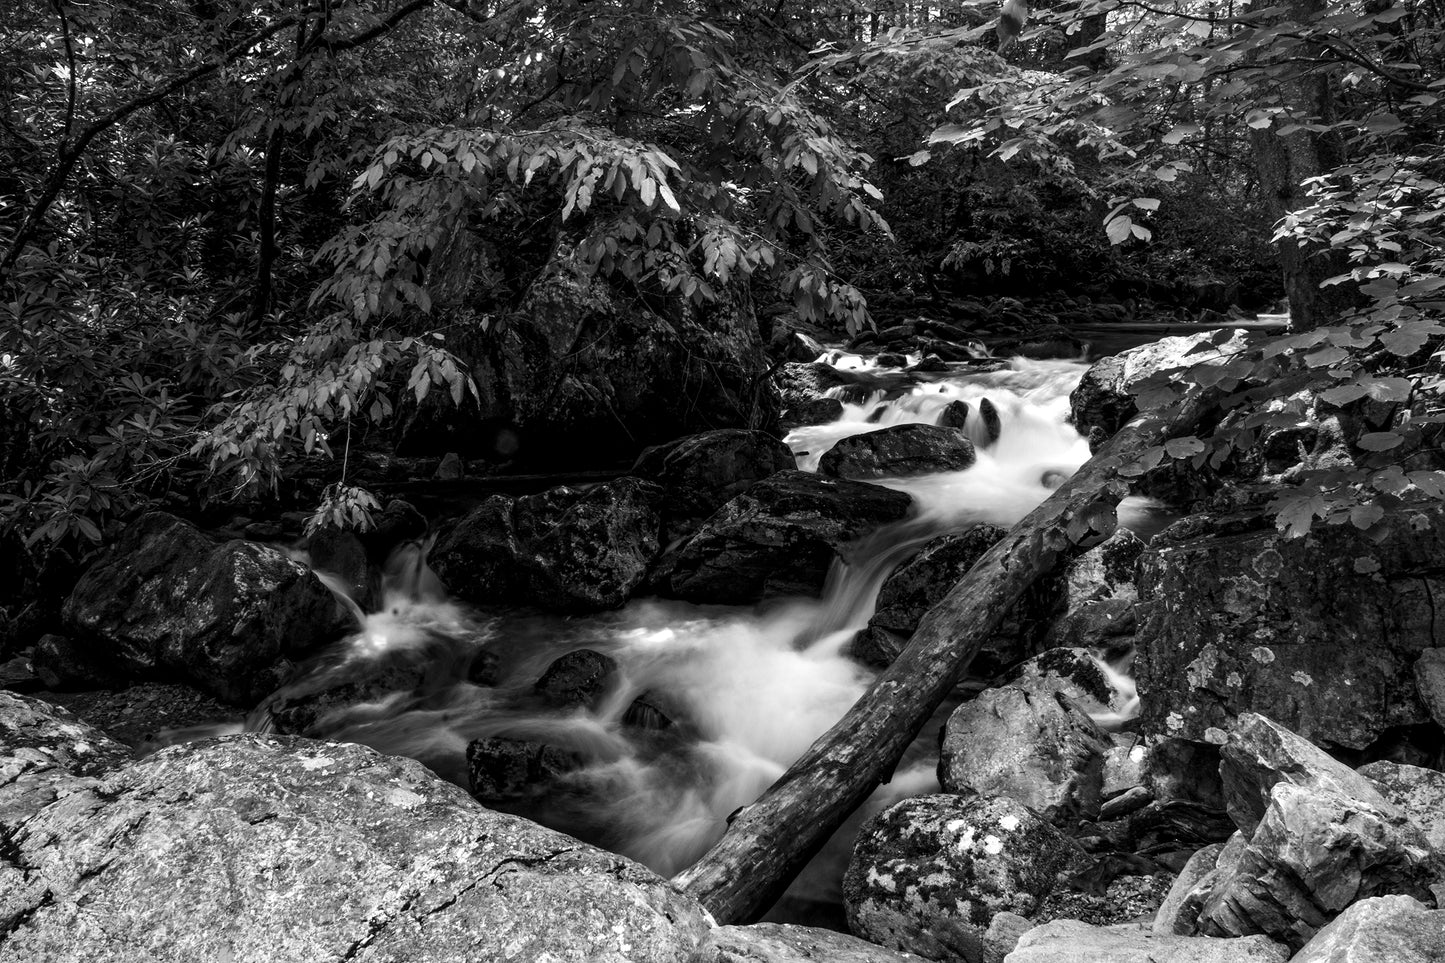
column 992, row 424
column 451, row 468
column 929, row 874
column 397, row 523
column 363, row 856
column 819, row 411
column 898, row 451
column 797, row 384
column 917, row 586
column 167, row 601
column 1386, row 929
column 954, row 415
column 1025, row 741
column 778, row 538
column 46, row 753
column 644, row 713
column 1237, row 621
column 576, row 679
column 1079, row 942
column 785, row 943
column 804, row 349
column 700, row 473
column 1315, row 852
column 1105, row 395
column 1261, row 754
column 563, row 549
column 1418, row 793
column 342, row 555
column 502, row 770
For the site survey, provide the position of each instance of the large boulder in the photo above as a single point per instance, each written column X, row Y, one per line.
column 930, row 874
column 563, row 549
column 779, row 537
column 1030, row 741
column 1419, row 793
column 1078, row 942
column 260, row 848
column 1105, row 396
column 46, row 753
column 1386, row 929
column 701, row 473
column 898, row 451
column 577, row 372
column 1232, row 621
column 785, row 943
column 167, row 601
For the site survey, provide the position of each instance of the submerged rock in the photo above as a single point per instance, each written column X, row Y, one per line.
column 1076, row 942
column 362, row 857
column 930, row 874
column 898, row 451
column 167, row 601
column 700, row 473
column 576, row 679
column 502, row 770
column 779, row 537
column 564, row 549
column 1254, row 621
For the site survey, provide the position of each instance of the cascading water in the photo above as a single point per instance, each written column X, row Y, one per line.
column 709, row 704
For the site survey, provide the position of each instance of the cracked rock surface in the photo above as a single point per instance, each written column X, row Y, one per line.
column 255, row 848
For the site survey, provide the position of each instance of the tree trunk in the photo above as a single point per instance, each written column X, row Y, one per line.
column 769, row 842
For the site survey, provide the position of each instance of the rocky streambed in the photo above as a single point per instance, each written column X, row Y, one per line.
column 1206, row 742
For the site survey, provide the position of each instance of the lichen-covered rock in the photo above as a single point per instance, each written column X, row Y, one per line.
column 45, row 753
column 785, row 943
column 1023, row 741
column 917, row 586
column 1076, row 942
column 930, row 873
column 563, row 549
column 1104, row 397
column 700, row 473
column 1386, row 929
column 897, row 452
column 168, row 601
column 1419, row 794
column 1254, row 621
column 779, row 537
column 254, row 849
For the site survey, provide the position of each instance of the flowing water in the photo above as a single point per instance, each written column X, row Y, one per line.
column 746, row 690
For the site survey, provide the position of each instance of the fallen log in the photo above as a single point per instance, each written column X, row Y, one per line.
column 768, row 842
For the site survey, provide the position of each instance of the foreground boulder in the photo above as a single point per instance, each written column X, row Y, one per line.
column 562, row 549
column 780, row 537
column 1396, row 929
column 899, row 451
column 46, row 753
column 930, row 874
column 1077, row 942
column 195, row 854
column 167, row 601
column 700, row 473
column 784, row 943
column 1233, row 621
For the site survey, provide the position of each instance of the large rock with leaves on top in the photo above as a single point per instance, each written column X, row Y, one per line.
column 1235, row 617
column 563, row 548
column 579, row 372
column 778, row 538
column 254, row 849
column 168, row 601
column 929, row 874
column 1105, row 397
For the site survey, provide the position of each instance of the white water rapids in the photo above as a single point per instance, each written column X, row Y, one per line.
column 749, row 688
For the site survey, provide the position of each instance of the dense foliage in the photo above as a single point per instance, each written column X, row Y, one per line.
column 224, row 222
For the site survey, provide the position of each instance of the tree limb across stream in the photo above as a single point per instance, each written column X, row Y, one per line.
column 769, row 842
